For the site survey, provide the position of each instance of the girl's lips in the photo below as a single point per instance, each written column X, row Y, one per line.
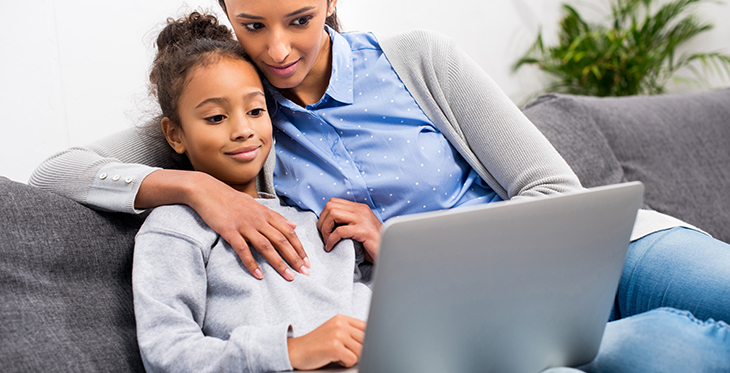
column 285, row 70
column 244, row 154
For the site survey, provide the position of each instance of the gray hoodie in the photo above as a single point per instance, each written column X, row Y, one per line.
column 199, row 309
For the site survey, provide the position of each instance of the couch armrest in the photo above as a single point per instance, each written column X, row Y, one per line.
column 65, row 285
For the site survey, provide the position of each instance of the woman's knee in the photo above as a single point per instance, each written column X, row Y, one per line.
column 662, row 340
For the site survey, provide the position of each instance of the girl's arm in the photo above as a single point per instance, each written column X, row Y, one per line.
column 132, row 170
column 170, row 288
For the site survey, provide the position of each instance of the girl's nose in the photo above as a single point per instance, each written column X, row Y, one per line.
column 241, row 130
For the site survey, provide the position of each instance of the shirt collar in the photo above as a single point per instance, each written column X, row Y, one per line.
column 340, row 87
column 341, row 79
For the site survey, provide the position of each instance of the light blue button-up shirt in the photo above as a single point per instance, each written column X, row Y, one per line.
column 368, row 141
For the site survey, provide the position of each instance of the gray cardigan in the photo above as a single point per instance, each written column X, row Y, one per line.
column 461, row 100
column 198, row 309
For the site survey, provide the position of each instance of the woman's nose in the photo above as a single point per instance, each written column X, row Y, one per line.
column 278, row 47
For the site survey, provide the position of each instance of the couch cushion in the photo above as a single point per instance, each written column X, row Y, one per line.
column 677, row 145
column 65, row 285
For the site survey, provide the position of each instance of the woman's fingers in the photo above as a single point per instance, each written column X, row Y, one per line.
column 243, row 223
column 244, row 252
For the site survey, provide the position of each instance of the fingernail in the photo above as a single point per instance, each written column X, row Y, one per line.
column 257, row 273
column 289, row 275
column 304, row 270
column 307, row 262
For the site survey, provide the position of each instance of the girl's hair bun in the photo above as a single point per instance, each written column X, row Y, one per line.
column 186, row 30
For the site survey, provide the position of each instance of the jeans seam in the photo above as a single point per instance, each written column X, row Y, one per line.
column 718, row 323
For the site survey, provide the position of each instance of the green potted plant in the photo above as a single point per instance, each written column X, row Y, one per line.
column 636, row 53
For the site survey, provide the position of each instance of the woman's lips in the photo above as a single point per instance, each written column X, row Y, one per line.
column 285, row 70
column 244, row 154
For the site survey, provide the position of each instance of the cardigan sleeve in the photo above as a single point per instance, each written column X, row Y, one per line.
column 106, row 175
column 170, row 287
column 480, row 121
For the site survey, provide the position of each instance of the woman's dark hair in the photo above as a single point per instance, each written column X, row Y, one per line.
column 183, row 45
column 331, row 21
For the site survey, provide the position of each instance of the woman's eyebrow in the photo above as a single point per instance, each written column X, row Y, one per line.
column 296, row 12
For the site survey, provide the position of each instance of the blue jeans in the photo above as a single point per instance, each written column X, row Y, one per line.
column 678, row 268
column 674, row 283
column 662, row 340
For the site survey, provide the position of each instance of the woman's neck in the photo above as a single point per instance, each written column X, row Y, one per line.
column 315, row 84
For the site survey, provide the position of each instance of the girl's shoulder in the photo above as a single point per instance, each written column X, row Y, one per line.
column 179, row 222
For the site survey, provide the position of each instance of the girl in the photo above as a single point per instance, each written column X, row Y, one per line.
column 196, row 307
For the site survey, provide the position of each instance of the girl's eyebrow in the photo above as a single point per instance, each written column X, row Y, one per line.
column 215, row 100
column 294, row 13
column 221, row 100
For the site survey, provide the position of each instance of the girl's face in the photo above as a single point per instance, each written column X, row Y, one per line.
column 224, row 128
column 284, row 38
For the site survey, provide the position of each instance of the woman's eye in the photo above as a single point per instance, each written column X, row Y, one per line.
column 215, row 118
column 301, row 21
column 256, row 112
column 253, row 27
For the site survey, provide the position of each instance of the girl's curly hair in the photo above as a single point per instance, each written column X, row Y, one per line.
column 197, row 39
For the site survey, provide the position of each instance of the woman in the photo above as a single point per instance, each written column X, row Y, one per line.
column 444, row 112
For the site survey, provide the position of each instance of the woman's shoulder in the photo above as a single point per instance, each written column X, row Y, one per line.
column 414, row 40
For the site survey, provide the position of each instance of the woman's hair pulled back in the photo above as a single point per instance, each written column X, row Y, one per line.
column 184, row 44
column 331, row 21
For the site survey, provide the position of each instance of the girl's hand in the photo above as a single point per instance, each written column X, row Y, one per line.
column 346, row 219
column 339, row 340
column 236, row 216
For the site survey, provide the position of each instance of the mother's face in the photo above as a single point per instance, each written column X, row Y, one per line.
column 283, row 37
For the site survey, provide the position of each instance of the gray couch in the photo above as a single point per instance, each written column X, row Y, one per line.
column 65, row 270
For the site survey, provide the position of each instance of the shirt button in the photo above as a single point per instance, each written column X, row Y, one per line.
column 116, row 177
column 129, row 180
column 103, row 176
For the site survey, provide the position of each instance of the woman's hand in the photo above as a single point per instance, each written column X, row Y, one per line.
column 346, row 219
column 338, row 340
column 236, row 216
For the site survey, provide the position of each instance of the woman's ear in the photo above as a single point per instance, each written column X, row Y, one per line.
column 331, row 5
column 173, row 135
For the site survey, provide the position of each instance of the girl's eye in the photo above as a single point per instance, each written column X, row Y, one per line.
column 301, row 21
column 256, row 112
column 253, row 27
column 215, row 118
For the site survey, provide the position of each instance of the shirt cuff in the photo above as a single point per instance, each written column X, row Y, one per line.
column 116, row 185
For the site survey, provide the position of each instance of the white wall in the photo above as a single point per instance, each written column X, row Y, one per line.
column 74, row 71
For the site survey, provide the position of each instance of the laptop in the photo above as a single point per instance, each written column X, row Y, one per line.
column 514, row 286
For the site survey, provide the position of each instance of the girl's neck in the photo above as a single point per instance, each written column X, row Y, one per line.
column 249, row 188
column 315, row 84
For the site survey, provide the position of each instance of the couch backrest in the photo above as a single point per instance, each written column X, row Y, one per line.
column 677, row 145
column 65, row 285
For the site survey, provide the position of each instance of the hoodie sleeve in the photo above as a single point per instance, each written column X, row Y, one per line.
column 170, row 286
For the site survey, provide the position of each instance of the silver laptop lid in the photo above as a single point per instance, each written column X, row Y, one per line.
column 516, row 286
